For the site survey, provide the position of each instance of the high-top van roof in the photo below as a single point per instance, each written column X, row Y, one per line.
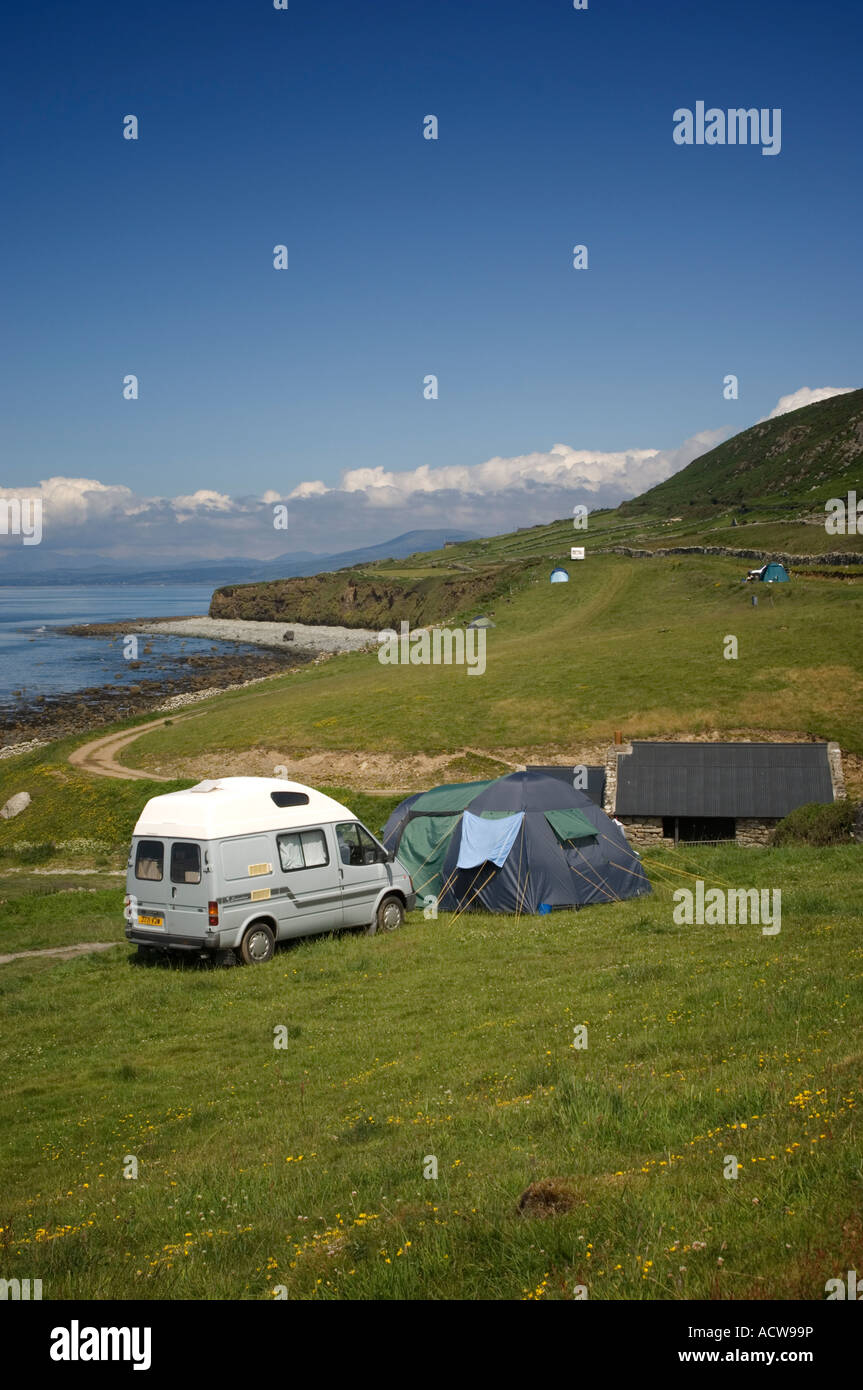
column 237, row 806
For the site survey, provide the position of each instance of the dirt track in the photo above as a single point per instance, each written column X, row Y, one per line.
column 381, row 772
column 63, row 952
column 100, row 755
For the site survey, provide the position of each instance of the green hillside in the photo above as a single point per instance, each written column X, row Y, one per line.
column 635, row 645
column 378, row 597
column 802, row 458
column 761, row 494
column 631, row 644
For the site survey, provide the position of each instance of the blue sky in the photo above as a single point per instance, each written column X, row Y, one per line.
column 409, row 256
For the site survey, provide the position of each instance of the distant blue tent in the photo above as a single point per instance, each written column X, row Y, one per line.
column 559, row 576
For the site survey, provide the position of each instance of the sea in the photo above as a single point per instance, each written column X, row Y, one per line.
column 36, row 659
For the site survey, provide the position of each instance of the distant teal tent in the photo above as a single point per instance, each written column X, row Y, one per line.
column 774, row 573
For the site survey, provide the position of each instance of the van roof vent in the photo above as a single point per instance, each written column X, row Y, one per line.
column 289, row 798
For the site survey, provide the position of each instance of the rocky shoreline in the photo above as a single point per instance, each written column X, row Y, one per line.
column 180, row 678
column 300, row 637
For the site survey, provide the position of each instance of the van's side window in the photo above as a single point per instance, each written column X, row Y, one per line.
column 149, row 860
column 185, row 863
column 356, row 845
column 302, row 849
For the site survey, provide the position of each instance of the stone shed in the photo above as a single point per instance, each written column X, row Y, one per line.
column 668, row 793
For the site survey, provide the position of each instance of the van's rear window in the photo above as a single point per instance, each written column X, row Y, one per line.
column 185, row 863
column 149, row 860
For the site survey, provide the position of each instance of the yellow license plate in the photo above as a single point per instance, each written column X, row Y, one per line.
column 146, row 920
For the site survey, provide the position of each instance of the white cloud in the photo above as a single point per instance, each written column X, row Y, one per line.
column 85, row 517
column 309, row 490
column 806, row 395
column 202, row 501
column 590, row 470
column 72, row 501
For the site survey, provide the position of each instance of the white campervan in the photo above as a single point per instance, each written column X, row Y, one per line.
column 243, row 862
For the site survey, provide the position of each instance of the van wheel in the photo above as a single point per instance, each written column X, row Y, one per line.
column 258, row 944
column 389, row 916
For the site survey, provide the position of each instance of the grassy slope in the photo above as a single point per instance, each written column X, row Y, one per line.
column 78, row 819
column 631, row 644
column 303, row 1167
column 804, row 457
column 760, row 529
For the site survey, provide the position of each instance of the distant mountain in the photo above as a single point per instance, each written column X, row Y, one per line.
column 410, row 543
column 798, row 459
column 68, row 571
column 40, row 567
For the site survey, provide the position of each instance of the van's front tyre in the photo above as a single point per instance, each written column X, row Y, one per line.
column 389, row 916
column 258, row 944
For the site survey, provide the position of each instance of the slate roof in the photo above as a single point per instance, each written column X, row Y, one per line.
column 595, row 779
column 761, row 780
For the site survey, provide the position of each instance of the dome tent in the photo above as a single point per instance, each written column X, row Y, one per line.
column 774, row 573
column 512, row 845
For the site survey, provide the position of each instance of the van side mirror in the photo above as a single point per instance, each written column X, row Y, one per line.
column 389, row 856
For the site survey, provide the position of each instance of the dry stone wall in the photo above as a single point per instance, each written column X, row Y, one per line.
column 831, row 557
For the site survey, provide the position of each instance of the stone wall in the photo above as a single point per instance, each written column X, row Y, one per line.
column 645, row 830
column 837, row 776
column 831, row 557
column 609, row 796
column 754, row 832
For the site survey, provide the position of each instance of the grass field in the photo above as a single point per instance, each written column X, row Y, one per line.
column 302, row 1169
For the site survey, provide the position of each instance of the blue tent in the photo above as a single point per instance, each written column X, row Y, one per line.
column 521, row 843
column 559, row 576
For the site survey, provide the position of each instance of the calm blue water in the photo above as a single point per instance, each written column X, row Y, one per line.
column 40, row 661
